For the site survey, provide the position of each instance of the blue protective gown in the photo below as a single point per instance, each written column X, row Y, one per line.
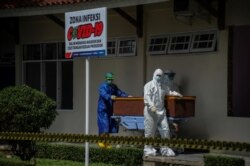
column 105, row 108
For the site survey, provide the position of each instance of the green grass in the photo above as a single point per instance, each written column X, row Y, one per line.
column 50, row 162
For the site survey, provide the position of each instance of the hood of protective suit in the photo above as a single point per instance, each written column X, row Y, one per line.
column 158, row 74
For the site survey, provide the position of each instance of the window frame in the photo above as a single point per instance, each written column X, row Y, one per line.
column 190, row 42
column 115, row 48
column 42, row 62
column 207, row 49
column 155, row 37
column 119, row 40
column 172, row 36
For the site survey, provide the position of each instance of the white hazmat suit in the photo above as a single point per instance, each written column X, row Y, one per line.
column 168, row 80
column 155, row 113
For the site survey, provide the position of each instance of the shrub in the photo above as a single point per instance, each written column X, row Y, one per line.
column 60, row 152
column 24, row 109
column 212, row 160
column 114, row 156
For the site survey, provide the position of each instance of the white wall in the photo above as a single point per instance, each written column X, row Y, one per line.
column 200, row 75
column 39, row 29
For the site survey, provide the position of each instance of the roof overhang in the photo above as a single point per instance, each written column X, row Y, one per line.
column 57, row 9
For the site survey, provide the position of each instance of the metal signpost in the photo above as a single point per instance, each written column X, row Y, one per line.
column 86, row 36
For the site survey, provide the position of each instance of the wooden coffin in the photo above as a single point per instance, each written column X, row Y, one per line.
column 178, row 107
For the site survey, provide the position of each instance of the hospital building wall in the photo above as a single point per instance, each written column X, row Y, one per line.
column 203, row 75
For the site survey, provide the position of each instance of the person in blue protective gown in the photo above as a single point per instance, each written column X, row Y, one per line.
column 107, row 91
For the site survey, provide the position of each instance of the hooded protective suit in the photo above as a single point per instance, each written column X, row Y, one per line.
column 105, row 109
column 155, row 112
column 168, row 79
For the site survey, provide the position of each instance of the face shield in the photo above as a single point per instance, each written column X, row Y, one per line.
column 169, row 76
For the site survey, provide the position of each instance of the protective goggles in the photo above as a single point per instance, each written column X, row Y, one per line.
column 170, row 74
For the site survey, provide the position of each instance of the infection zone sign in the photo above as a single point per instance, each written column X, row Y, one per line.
column 86, row 33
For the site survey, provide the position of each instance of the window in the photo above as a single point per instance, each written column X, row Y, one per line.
column 179, row 43
column 121, row 47
column 111, row 47
column 7, row 67
column 32, row 52
column 190, row 42
column 7, row 59
column 203, row 41
column 46, row 69
column 158, row 45
column 127, row 47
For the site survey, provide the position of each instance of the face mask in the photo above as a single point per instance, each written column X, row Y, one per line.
column 109, row 81
column 158, row 78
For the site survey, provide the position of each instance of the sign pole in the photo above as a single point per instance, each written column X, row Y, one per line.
column 87, row 111
column 86, row 36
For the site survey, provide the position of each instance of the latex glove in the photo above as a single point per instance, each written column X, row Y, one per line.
column 174, row 93
column 176, row 127
column 153, row 109
column 113, row 97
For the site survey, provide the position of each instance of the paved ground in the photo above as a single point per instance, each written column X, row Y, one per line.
column 199, row 157
column 193, row 158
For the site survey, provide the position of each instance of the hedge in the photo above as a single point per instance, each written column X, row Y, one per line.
column 118, row 156
column 214, row 160
column 114, row 156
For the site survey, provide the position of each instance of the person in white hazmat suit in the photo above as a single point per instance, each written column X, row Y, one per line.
column 168, row 80
column 155, row 113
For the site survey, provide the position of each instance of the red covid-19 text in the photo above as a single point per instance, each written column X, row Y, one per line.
column 85, row 31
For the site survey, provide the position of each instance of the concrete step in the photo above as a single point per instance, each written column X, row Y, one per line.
column 181, row 159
